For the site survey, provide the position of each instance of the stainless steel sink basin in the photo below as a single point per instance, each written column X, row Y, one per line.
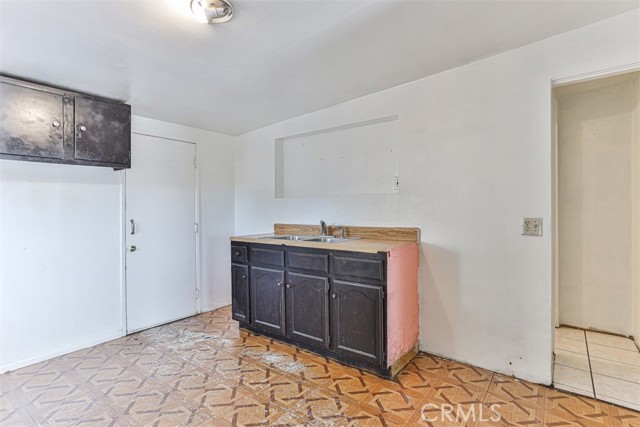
column 331, row 239
column 288, row 237
column 319, row 239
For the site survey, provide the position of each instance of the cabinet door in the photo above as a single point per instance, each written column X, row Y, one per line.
column 240, row 293
column 357, row 320
column 267, row 299
column 308, row 309
column 103, row 131
column 30, row 122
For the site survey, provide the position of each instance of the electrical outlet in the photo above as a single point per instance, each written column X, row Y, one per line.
column 532, row 226
column 396, row 184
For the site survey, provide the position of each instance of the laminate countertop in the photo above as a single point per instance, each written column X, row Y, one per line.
column 355, row 245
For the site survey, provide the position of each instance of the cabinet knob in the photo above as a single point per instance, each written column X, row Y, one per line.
column 244, row 276
column 288, row 285
column 334, row 296
column 280, row 284
column 55, row 124
column 133, row 248
column 236, row 253
column 83, row 128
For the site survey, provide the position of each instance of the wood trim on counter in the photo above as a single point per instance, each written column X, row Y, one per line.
column 406, row 234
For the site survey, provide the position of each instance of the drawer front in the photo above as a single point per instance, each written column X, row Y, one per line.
column 358, row 268
column 270, row 257
column 239, row 254
column 318, row 263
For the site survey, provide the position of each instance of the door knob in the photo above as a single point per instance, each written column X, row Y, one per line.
column 132, row 248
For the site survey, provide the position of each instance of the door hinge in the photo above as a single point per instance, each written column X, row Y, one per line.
column 197, row 293
column 195, row 227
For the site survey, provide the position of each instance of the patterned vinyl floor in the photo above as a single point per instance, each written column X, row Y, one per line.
column 204, row 371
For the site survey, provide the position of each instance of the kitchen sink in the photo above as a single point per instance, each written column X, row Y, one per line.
column 319, row 239
column 331, row 239
column 289, row 237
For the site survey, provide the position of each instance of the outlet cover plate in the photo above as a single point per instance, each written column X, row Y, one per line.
column 532, row 226
column 396, row 184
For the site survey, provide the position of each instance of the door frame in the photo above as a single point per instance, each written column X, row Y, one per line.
column 123, row 231
column 554, row 228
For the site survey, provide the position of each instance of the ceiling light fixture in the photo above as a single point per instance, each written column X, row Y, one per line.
column 212, row 11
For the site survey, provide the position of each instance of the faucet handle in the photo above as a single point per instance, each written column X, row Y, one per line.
column 341, row 230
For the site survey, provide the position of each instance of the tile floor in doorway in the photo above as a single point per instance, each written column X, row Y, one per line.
column 598, row 365
column 204, row 371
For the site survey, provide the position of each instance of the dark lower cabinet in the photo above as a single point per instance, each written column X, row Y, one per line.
column 357, row 314
column 267, row 299
column 297, row 295
column 308, row 308
column 240, row 293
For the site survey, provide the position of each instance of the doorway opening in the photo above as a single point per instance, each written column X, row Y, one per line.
column 597, row 176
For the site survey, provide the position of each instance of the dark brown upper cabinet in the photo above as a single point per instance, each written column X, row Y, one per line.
column 45, row 124
column 31, row 122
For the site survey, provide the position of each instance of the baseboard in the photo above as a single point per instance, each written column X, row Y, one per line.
column 66, row 350
column 403, row 360
column 498, row 371
column 215, row 306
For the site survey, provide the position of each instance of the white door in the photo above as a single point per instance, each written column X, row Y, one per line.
column 160, row 232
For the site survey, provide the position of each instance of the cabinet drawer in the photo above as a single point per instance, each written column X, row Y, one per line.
column 270, row 257
column 358, row 268
column 239, row 254
column 318, row 263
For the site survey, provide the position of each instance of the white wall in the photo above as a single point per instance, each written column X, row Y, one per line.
column 595, row 162
column 61, row 248
column 475, row 157
column 363, row 159
column 60, row 280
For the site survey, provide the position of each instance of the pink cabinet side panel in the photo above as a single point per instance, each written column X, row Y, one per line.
column 403, row 323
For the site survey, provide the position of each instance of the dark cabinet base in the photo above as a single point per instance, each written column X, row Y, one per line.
column 340, row 358
column 330, row 303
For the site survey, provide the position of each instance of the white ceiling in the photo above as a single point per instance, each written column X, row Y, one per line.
column 275, row 59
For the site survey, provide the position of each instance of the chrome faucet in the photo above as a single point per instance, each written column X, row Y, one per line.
column 323, row 226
